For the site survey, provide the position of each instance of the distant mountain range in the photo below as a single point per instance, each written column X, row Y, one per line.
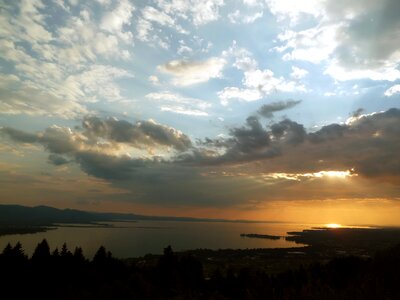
column 17, row 215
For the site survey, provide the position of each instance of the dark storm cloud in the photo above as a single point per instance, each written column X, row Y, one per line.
column 55, row 139
column 57, row 160
column 19, row 136
column 222, row 171
column 93, row 146
column 327, row 133
column 267, row 110
column 368, row 143
column 248, row 139
column 142, row 133
column 108, row 166
column 288, row 132
column 378, row 138
column 251, row 142
column 60, row 140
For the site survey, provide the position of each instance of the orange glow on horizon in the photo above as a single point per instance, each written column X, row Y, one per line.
column 333, row 225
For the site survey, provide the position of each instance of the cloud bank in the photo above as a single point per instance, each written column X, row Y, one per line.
column 277, row 158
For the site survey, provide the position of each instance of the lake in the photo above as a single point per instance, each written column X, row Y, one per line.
column 133, row 239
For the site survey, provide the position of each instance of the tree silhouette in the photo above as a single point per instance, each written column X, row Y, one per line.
column 56, row 253
column 101, row 256
column 18, row 252
column 78, row 255
column 42, row 251
column 65, row 253
column 7, row 251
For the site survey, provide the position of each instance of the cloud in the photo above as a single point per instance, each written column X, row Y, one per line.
column 251, row 142
column 176, row 103
column 238, row 17
column 154, row 79
column 192, row 72
column 114, row 21
column 254, row 163
column 198, row 12
column 19, row 135
column 293, row 10
column 140, row 134
column 395, row 89
column 108, row 167
column 57, row 96
column 29, row 24
column 105, row 136
column 247, row 95
column 313, row 44
column 57, row 160
column 57, row 73
column 151, row 16
column 342, row 37
column 257, row 83
column 267, row 110
column 298, row 73
column 243, row 58
column 367, row 144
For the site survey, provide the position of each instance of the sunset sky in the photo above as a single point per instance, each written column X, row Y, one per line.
column 278, row 110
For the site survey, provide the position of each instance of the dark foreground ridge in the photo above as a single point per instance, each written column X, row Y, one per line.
column 64, row 275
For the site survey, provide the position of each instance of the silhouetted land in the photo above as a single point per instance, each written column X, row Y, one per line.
column 348, row 238
column 323, row 246
column 61, row 274
column 260, row 236
column 17, row 219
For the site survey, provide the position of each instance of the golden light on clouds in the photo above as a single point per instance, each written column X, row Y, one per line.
column 320, row 174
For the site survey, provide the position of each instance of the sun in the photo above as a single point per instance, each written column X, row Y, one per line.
column 333, row 225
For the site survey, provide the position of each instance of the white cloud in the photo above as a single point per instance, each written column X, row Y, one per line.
column 59, row 72
column 146, row 30
column 153, row 15
column 154, row 79
column 27, row 25
column 114, row 20
column 243, row 58
column 292, row 9
column 83, row 40
column 179, row 104
column 198, row 12
column 313, row 44
column 20, row 97
column 266, row 82
column 237, row 17
column 258, row 83
column 143, row 28
column 247, row 95
column 395, row 89
column 298, row 73
column 253, row 2
column 341, row 73
column 356, row 39
column 30, row 21
column 183, row 48
column 191, row 72
column 329, row 94
column 94, row 84
column 184, row 111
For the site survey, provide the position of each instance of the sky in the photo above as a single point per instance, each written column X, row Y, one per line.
column 278, row 110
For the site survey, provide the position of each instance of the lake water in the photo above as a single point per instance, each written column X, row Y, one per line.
column 133, row 239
